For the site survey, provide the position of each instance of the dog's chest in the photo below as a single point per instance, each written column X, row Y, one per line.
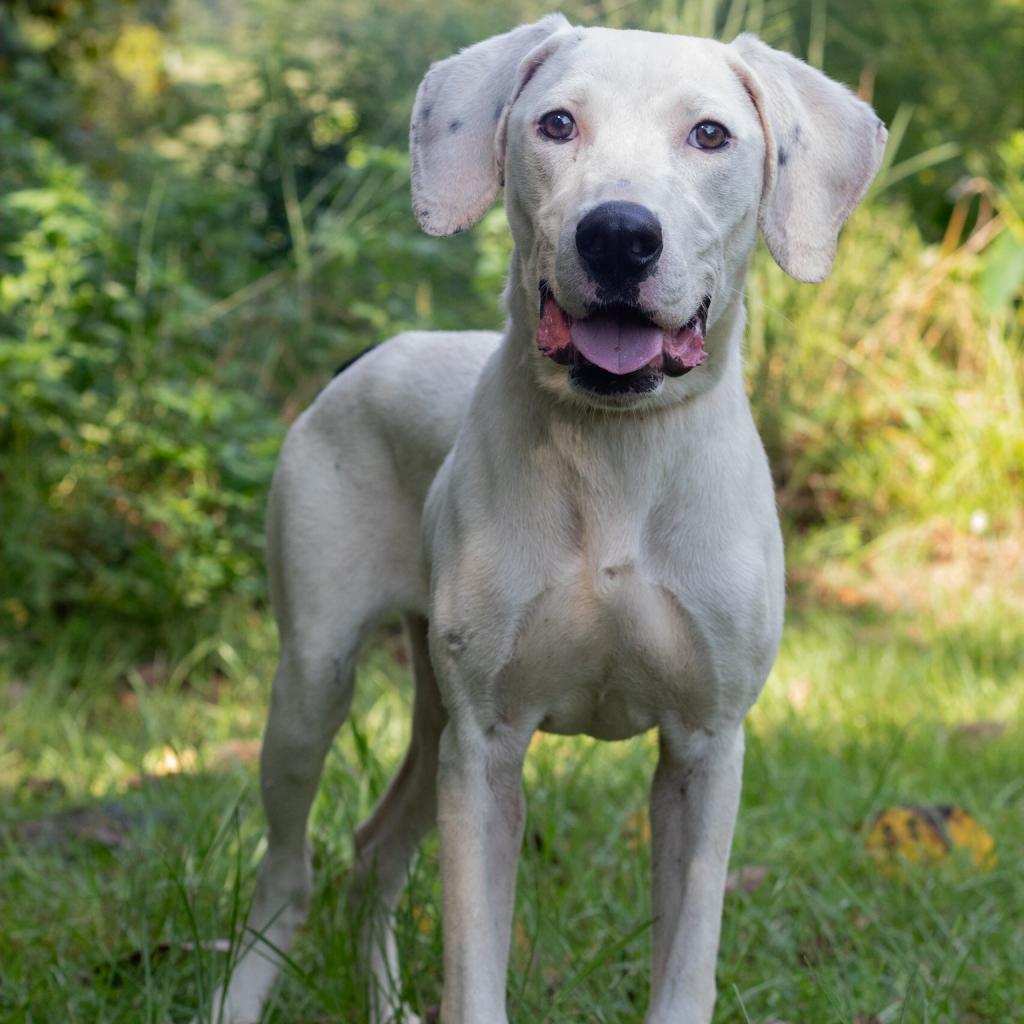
column 604, row 602
column 606, row 651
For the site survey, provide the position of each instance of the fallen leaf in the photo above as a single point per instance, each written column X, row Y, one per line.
column 41, row 787
column 638, row 830
column 109, row 826
column 978, row 733
column 749, row 878
column 814, row 951
column 925, row 834
column 235, row 752
column 151, row 673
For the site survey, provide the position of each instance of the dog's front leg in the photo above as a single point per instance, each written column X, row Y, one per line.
column 480, row 817
column 693, row 808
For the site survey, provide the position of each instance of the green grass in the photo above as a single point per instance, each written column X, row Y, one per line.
column 109, row 917
column 891, row 400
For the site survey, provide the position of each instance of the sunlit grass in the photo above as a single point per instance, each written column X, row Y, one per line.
column 891, row 400
column 106, row 920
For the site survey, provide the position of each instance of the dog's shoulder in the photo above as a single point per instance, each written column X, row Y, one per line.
column 407, row 393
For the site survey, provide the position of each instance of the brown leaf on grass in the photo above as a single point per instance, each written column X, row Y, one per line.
column 161, row 951
column 109, row 826
column 850, row 597
column 867, row 1018
column 234, row 752
column 638, row 830
column 152, row 673
column 38, row 787
column 815, row 950
column 749, row 878
column 978, row 733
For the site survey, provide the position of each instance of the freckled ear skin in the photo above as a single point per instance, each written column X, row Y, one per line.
column 458, row 110
column 823, row 147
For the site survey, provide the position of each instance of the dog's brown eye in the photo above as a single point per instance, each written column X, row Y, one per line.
column 558, row 125
column 709, row 135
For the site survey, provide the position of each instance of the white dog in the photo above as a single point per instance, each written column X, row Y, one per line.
column 575, row 518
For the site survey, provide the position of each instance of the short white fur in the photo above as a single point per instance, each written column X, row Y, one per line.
column 563, row 561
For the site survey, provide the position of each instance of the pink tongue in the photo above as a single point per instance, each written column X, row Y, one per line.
column 616, row 347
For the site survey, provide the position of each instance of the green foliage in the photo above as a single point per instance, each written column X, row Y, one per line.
column 956, row 67
column 864, row 709
column 143, row 294
column 203, row 210
column 890, row 393
column 125, row 474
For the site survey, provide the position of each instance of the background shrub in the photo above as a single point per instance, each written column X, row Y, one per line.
column 204, row 209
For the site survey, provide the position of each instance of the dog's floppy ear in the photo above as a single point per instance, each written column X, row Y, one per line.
column 455, row 171
column 823, row 147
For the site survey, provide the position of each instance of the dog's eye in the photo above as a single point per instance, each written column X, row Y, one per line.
column 709, row 135
column 558, row 125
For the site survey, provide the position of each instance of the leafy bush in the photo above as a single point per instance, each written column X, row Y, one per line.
column 143, row 294
column 204, row 209
column 889, row 393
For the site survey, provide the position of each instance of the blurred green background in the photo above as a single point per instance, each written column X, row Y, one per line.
column 204, row 210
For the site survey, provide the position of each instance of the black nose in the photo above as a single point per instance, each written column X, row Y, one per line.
column 619, row 242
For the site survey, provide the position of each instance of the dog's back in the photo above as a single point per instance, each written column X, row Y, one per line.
column 356, row 466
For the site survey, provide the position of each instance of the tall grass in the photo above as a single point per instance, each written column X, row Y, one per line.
column 889, row 394
column 182, row 273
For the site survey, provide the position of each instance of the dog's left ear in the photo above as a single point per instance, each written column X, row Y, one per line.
column 823, row 147
column 455, row 121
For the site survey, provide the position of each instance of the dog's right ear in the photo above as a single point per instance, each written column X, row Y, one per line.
column 456, row 174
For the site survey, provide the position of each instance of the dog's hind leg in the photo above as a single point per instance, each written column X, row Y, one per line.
column 343, row 548
column 387, row 841
column 296, row 742
column 337, row 563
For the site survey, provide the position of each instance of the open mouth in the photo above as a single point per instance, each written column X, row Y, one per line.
column 617, row 348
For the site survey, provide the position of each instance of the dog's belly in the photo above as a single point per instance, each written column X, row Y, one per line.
column 609, row 654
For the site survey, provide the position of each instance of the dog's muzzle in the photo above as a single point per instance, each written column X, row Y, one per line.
column 617, row 347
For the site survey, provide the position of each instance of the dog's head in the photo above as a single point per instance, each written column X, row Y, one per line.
column 637, row 169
